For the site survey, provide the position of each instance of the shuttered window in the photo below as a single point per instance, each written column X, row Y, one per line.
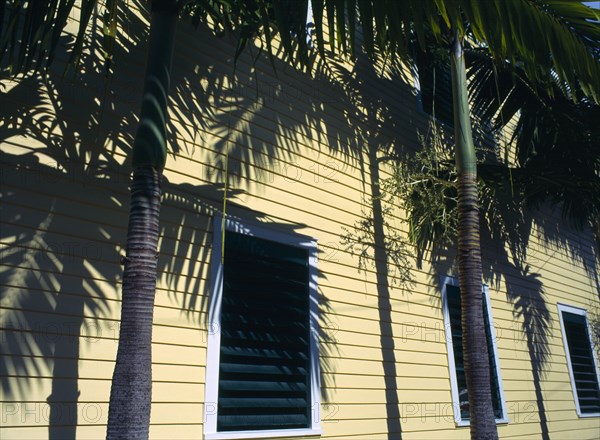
column 266, row 355
column 582, row 368
column 454, row 335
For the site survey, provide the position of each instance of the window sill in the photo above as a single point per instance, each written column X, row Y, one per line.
column 273, row 433
column 585, row 416
column 463, row 423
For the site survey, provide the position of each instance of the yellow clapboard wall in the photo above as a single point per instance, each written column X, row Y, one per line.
column 300, row 152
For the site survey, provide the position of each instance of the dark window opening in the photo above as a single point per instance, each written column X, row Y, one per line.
column 264, row 369
column 582, row 363
column 454, row 309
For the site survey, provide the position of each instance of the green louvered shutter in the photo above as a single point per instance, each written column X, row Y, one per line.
column 582, row 363
column 264, row 371
column 453, row 298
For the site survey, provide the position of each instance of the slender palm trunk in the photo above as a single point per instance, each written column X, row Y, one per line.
column 131, row 390
column 476, row 361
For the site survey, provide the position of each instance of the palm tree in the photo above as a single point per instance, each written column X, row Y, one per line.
column 132, row 378
column 545, row 37
column 28, row 39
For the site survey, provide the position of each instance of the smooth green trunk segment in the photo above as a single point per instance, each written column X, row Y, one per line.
column 150, row 144
column 475, row 350
column 466, row 160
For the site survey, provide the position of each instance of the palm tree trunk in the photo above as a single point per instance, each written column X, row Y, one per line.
column 131, row 390
column 476, row 360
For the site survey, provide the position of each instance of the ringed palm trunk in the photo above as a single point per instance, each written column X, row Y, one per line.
column 475, row 351
column 131, row 390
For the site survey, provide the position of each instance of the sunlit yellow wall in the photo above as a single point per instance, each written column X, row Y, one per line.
column 301, row 154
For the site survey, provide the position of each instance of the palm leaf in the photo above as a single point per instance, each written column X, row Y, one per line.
column 544, row 36
column 30, row 31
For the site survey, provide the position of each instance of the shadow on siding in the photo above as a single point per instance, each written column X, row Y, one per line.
column 65, row 203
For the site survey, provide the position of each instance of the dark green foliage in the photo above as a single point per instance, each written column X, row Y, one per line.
column 556, row 140
column 542, row 36
column 423, row 185
column 30, row 30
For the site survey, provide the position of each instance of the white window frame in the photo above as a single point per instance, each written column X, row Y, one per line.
column 310, row 24
column 214, row 336
column 453, row 281
column 582, row 312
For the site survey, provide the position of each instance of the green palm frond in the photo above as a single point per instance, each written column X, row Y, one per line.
column 544, row 37
column 556, row 35
column 555, row 140
column 30, row 31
